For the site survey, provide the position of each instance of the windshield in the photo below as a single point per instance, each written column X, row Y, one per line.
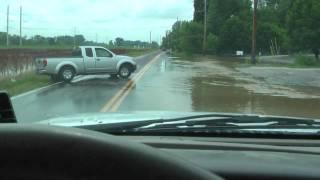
column 189, row 56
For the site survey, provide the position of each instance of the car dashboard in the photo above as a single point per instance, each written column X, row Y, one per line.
column 237, row 158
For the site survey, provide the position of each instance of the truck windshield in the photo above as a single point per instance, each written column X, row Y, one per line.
column 163, row 58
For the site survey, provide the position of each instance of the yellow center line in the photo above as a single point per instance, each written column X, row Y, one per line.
column 114, row 103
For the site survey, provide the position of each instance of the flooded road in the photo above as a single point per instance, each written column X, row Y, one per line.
column 164, row 83
column 218, row 85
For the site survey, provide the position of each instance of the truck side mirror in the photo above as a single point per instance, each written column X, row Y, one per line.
column 7, row 114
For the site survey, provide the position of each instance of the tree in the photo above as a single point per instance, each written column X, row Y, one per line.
column 119, row 41
column 51, row 41
column 154, row 44
column 212, row 43
column 3, row 38
column 79, row 39
column 220, row 11
column 304, row 25
column 268, row 32
column 229, row 24
column 234, row 35
column 111, row 45
column 185, row 36
column 38, row 39
column 65, row 40
column 198, row 15
column 190, row 37
column 166, row 41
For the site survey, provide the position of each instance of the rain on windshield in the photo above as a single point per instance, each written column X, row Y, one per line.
column 231, row 56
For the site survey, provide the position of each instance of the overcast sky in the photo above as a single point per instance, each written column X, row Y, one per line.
column 130, row 19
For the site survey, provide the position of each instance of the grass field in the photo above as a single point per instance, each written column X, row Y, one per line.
column 138, row 52
column 23, row 83
column 295, row 61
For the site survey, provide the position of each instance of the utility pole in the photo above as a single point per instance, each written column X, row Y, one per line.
column 205, row 28
column 8, row 43
column 150, row 38
column 74, row 37
column 167, row 39
column 254, row 33
column 96, row 38
column 20, row 25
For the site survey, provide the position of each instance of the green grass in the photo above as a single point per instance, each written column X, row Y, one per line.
column 23, row 83
column 302, row 61
column 138, row 52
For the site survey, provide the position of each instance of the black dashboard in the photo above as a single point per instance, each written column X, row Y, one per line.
column 236, row 158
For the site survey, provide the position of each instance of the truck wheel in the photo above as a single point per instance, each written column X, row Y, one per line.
column 125, row 71
column 67, row 74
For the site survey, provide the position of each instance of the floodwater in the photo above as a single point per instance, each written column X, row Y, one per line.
column 12, row 71
column 218, row 85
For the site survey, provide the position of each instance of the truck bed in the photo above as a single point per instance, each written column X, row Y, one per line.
column 53, row 63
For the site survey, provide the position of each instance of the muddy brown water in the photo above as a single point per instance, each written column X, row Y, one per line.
column 217, row 86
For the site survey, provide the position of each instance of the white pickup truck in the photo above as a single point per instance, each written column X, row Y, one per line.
column 84, row 61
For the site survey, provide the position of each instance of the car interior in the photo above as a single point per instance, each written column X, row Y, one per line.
column 50, row 152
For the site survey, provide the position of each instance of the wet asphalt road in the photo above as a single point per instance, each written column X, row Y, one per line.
column 174, row 84
column 87, row 94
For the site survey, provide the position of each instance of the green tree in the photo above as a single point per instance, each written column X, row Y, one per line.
column 220, row 11
column 304, row 25
column 229, row 21
column 79, row 39
column 198, row 10
column 235, row 35
column 119, row 41
column 175, row 35
column 51, row 41
column 65, row 40
column 198, row 15
column 268, row 32
column 154, row 44
column 212, row 43
column 190, row 37
column 111, row 45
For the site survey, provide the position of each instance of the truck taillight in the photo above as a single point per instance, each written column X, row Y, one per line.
column 45, row 62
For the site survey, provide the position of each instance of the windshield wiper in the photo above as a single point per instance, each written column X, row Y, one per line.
column 214, row 122
column 232, row 121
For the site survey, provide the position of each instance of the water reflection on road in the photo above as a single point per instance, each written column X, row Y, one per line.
column 215, row 85
column 231, row 91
